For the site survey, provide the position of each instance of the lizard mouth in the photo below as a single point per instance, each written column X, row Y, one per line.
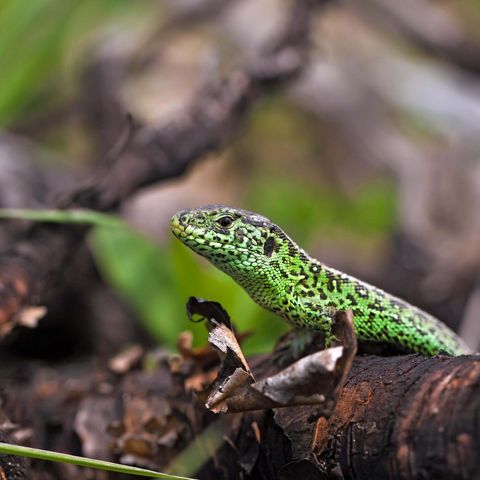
column 178, row 229
column 185, row 232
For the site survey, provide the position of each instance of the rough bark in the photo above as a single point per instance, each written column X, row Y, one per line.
column 402, row 417
column 405, row 417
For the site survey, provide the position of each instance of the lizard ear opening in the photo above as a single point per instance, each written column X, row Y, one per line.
column 268, row 246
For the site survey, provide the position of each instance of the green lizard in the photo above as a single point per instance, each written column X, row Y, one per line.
column 283, row 278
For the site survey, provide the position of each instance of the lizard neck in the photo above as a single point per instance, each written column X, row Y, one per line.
column 273, row 281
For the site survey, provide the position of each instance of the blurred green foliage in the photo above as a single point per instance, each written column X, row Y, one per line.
column 36, row 37
column 41, row 46
column 307, row 209
column 286, row 185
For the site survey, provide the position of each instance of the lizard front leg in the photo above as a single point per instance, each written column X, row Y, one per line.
column 312, row 328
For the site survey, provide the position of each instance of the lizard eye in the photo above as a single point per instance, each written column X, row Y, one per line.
column 225, row 221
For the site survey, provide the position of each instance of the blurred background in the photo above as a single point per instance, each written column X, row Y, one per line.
column 370, row 160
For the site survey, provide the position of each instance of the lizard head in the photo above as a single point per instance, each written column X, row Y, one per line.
column 235, row 241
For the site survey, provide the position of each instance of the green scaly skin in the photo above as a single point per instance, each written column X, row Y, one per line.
column 283, row 278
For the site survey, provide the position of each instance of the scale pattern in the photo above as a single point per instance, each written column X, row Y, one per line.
column 283, row 278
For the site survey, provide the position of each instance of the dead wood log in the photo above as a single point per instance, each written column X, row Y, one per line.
column 401, row 417
column 405, row 417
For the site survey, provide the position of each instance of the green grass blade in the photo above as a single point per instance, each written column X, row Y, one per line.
column 30, row 62
column 80, row 216
column 17, row 17
column 83, row 462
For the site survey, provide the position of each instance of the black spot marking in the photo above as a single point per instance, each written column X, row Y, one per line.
column 268, row 246
column 352, row 299
column 331, row 285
